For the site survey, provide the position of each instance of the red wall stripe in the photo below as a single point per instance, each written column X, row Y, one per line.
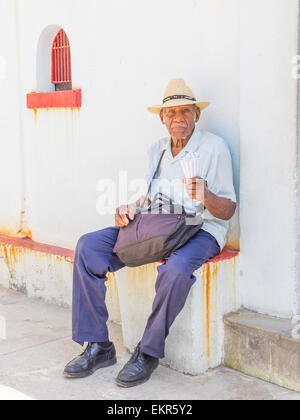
column 27, row 243
column 59, row 99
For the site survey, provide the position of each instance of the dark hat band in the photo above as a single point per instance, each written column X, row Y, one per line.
column 170, row 98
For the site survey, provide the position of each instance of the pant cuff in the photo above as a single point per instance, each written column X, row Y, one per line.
column 83, row 340
column 151, row 352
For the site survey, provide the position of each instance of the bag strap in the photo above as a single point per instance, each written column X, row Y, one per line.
column 162, row 198
column 155, row 173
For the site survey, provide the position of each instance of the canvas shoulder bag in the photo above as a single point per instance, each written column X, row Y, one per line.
column 156, row 231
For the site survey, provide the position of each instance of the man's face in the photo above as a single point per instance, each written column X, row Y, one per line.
column 180, row 120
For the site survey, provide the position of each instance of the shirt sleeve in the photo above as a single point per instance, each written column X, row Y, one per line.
column 220, row 174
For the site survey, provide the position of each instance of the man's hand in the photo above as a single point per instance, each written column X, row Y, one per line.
column 125, row 214
column 196, row 188
column 220, row 207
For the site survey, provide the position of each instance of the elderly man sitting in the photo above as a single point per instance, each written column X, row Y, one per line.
column 213, row 187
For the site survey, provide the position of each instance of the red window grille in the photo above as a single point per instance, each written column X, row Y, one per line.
column 61, row 62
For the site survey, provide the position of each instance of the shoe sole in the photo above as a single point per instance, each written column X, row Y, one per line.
column 105, row 364
column 131, row 384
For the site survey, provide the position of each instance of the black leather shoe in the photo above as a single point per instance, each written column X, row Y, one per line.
column 138, row 370
column 93, row 358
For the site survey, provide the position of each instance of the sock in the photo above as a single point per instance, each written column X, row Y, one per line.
column 106, row 344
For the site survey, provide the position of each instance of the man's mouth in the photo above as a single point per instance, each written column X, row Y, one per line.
column 179, row 127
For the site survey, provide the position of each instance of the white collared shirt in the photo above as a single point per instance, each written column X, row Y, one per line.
column 215, row 167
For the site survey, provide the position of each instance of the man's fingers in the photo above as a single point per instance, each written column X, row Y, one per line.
column 194, row 184
column 192, row 180
column 124, row 215
column 194, row 187
column 124, row 218
column 119, row 221
column 193, row 195
column 121, row 216
column 131, row 214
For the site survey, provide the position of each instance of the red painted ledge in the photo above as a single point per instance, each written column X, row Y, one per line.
column 28, row 243
column 59, row 99
column 226, row 254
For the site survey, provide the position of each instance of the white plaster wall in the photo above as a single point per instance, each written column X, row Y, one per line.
column 123, row 55
column 297, row 286
column 47, row 276
column 10, row 152
column 268, row 155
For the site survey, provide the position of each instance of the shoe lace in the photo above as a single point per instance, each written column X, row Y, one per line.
column 87, row 351
column 136, row 353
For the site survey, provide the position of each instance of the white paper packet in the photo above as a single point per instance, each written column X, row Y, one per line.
column 191, row 165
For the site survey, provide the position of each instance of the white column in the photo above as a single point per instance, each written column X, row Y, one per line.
column 268, row 150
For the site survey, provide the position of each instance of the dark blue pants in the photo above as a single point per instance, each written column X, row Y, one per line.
column 94, row 258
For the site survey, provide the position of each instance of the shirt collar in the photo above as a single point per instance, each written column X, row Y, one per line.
column 190, row 147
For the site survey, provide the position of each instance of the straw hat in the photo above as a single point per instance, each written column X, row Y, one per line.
column 177, row 94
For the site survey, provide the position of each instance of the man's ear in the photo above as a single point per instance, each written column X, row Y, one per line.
column 162, row 117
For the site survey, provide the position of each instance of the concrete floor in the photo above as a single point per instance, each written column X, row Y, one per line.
column 38, row 346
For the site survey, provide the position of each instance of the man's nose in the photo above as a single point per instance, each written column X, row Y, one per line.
column 178, row 117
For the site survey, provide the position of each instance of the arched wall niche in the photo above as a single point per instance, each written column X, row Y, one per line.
column 43, row 62
column 46, row 96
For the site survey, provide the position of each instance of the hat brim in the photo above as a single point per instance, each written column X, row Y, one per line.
column 177, row 102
